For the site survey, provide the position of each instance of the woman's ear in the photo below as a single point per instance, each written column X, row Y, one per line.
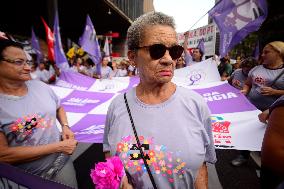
column 131, row 57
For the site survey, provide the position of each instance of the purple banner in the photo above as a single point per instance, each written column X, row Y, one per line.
column 90, row 129
column 75, row 80
column 84, row 101
column 24, row 179
column 236, row 19
column 225, row 99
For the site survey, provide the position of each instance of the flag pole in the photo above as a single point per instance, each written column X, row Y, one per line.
column 198, row 20
column 203, row 15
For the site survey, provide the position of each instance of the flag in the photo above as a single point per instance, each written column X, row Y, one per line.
column 60, row 58
column 200, row 46
column 71, row 52
column 80, row 51
column 50, row 41
column 74, row 51
column 107, row 49
column 236, row 19
column 89, row 42
column 36, row 47
column 256, row 50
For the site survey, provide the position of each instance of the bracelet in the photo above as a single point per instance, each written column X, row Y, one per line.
column 65, row 125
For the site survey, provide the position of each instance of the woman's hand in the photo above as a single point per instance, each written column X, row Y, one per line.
column 244, row 92
column 267, row 91
column 67, row 146
column 263, row 116
column 67, row 133
column 125, row 184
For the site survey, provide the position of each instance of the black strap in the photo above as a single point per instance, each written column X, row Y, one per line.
column 138, row 143
column 278, row 76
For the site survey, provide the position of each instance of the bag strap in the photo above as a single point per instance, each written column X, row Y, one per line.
column 278, row 76
column 138, row 143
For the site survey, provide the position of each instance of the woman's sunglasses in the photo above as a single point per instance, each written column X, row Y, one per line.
column 157, row 51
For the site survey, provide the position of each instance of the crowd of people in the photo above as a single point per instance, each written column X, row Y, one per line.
column 159, row 147
column 48, row 72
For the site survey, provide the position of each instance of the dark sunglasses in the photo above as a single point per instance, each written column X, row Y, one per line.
column 157, row 51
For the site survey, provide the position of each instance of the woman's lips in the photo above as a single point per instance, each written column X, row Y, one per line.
column 166, row 73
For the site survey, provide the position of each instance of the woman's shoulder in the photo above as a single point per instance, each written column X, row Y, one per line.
column 256, row 68
column 37, row 83
column 119, row 99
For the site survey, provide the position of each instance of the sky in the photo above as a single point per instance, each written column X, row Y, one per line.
column 185, row 12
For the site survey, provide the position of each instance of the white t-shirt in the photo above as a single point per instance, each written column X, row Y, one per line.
column 188, row 59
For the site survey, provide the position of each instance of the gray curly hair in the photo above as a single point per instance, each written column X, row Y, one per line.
column 136, row 30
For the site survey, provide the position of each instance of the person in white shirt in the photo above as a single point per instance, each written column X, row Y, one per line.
column 196, row 55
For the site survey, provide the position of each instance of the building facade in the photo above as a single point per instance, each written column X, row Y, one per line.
column 108, row 16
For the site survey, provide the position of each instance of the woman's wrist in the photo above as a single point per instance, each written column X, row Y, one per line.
column 65, row 125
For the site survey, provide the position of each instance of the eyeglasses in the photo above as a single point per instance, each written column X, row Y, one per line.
column 157, row 51
column 18, row 62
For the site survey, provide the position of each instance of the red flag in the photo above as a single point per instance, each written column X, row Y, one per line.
column 50, row 41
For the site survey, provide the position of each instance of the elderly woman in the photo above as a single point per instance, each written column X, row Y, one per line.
column 29, row 137
column 161, row 132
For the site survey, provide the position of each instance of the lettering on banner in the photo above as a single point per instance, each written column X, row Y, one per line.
column 80, row 101
column 62, row 83
column 93, row 129
column 221, row 133
column 215, row 96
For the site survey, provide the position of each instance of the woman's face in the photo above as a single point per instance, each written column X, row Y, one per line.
column 269, row 55
column 114, row 65
column 13, row 71
column 104, row 61
column 161, row 70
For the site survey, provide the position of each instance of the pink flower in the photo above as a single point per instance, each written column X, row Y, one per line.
column 107, row 175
